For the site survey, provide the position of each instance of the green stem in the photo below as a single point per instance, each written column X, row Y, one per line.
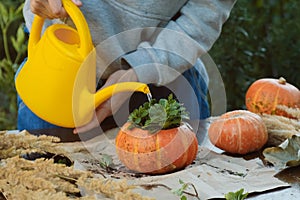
column 5, row 42
column 17, row 58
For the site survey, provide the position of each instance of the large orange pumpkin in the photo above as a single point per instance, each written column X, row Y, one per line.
column 156, row 153
column 238, row 132
column 264, row 95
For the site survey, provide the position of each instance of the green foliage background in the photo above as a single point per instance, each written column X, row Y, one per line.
column 13, row 50
column 260, row 39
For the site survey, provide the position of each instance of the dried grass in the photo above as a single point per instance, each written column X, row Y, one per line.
column 44, row 179
column 280, row 128
column 294, row 112
column 16, row 144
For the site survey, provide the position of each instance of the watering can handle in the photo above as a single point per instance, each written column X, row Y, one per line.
column 77, row 17
column 35, row 33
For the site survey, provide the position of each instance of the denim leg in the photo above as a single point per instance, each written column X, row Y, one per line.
column 27, row 120
column 200, row 87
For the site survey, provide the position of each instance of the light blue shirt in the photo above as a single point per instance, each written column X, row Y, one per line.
column 173, row 33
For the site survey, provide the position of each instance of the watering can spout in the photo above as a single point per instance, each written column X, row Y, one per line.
column 85, row 102
column 109, row 91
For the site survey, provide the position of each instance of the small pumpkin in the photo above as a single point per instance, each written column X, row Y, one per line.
column 155, row 140
column 238, row 132
column 264, row 95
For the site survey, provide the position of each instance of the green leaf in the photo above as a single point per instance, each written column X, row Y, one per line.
column 144, row 113
column 11, row 14
column 157, row 114
column 154, row 116
column 181, row 181
column 174, row 112
column 106, row 161
column 180, row 191
column 183, row 198
column 19, row 10
column 236, row 195
column 163, row 102
column 4, row 15
column 20, row 35
column 15, row 43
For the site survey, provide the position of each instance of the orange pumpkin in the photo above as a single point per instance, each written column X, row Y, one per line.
column 238, row 132
column 156, row 153
column 264, row 95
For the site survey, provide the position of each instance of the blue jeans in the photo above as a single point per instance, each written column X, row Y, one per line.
column 200, row 88
column 29, row 121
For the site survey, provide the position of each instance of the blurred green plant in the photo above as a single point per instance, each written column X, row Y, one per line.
column 13, row 43
column 260, row 39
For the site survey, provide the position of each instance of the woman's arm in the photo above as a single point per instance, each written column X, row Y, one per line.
column 181, row 42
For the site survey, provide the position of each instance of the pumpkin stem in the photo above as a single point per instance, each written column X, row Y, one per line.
column 282, row 80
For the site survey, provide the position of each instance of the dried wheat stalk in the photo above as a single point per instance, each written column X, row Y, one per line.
column 44, row 179
column 21, row 143
column 41, row 177
column 280, row 128
column 295, row 112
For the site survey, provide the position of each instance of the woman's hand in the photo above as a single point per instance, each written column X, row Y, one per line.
column 50, row 8
column 110, row 106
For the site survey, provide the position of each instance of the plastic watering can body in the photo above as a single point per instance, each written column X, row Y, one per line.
column 58, row 81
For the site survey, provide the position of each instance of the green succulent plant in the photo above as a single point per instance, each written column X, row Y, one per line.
column 156, row 115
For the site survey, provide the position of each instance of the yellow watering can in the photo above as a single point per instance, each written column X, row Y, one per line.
column 58, row 81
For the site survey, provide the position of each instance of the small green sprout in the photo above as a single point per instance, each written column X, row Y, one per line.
column 238, row 195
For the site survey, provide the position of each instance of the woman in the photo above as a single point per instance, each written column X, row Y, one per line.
column 157, row 41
